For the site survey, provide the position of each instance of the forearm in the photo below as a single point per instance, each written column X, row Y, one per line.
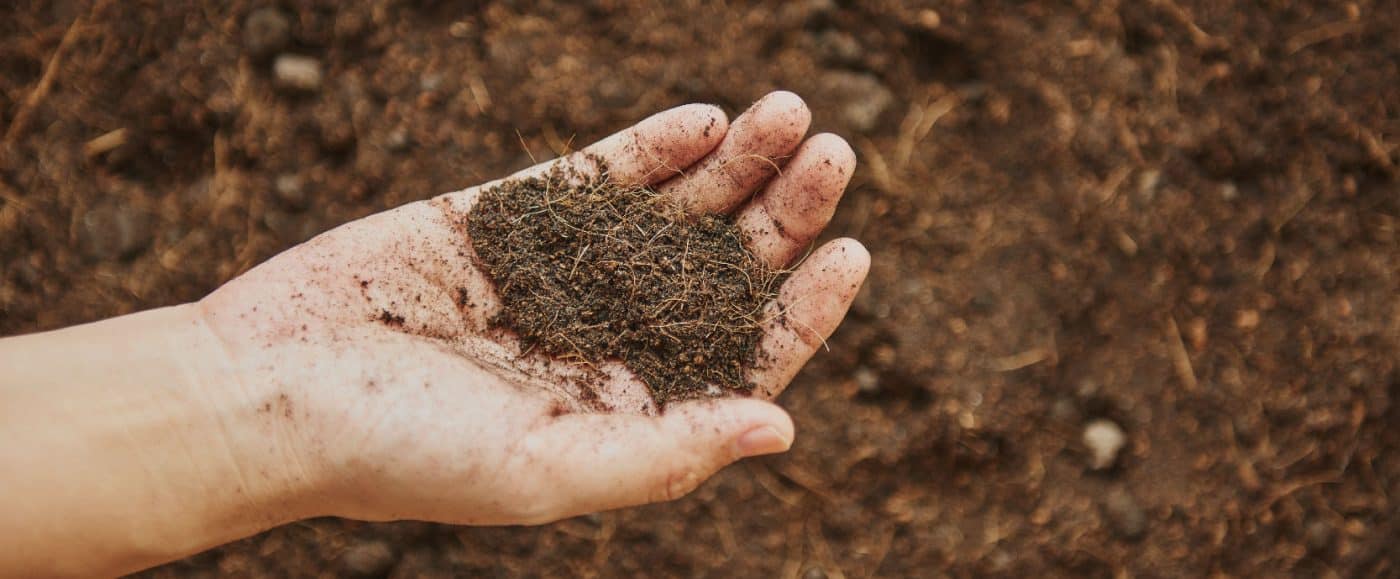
column 131, row 442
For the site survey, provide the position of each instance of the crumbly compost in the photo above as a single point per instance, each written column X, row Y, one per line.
column 591, row 270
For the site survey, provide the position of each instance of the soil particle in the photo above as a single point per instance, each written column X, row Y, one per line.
column 389, row 318
column 589, row 270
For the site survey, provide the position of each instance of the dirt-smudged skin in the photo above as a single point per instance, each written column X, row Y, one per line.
column 588, row 270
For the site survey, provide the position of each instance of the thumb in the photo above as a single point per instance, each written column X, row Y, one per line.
column 608, row 461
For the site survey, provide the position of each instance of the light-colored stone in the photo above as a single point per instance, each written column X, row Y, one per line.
column 862, row 97
column 296, row 72
column 1104, row 438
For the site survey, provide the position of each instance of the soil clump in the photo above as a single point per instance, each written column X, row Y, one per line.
column 590, row 270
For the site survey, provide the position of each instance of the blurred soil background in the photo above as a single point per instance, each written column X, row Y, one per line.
column 1170, row 224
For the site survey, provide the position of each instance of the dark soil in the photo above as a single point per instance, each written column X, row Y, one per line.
column 1182, row 216
column 589, row 270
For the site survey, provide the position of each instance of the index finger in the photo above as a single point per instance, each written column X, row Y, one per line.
column 657, row 148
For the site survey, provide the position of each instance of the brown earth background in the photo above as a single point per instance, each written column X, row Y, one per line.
column 1177, row 215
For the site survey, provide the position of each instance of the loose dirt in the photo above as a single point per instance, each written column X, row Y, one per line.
column 591, row 270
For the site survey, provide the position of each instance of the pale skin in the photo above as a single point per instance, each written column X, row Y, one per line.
column 281, row 396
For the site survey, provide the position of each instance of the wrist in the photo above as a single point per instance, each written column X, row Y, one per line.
column 142, row 431
column 252, row 417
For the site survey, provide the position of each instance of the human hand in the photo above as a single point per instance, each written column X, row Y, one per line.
column 367, row 355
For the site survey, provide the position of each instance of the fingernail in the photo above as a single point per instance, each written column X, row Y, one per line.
column 761, row 440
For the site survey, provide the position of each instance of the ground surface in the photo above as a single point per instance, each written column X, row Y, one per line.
column 1177, row 215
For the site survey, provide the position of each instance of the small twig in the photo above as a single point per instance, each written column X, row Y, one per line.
column 1319, row 34
column 479, row 92
column 822, row 549
column 523, row 145
column 882, row 551
column 808, row 481
column 1019, row 360
column 577, row 259
column 765, row 479
column 41, row 90
column 783, row 312
column 918, row 124
column 884, row 177
column 769, row 160
column 1199, row 38
column 1295, row 486
column 14, row 199
column 1293, row 209
column 1181, row 361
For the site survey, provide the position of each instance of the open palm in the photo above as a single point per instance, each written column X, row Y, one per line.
column 393, row 391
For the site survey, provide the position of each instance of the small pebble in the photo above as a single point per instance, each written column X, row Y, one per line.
column 862, row 98
column 867, row 380
column 1149, row 182
column 1065, row 410
column 1247, row 319
column 612, row 92
column 290, row 190
column 1318, row 535
column 1125, row 515
column 929, row 18
column 115, row 231
column 1104, row 438
column 396, row 140
column 430, row 82
column 368, row 559
column 296, row 72
column 839, row 47
column 1228, row 191
column 1196, row 333
column 265, row 32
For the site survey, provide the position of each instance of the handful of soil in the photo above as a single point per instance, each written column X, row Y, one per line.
column 590, row 270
